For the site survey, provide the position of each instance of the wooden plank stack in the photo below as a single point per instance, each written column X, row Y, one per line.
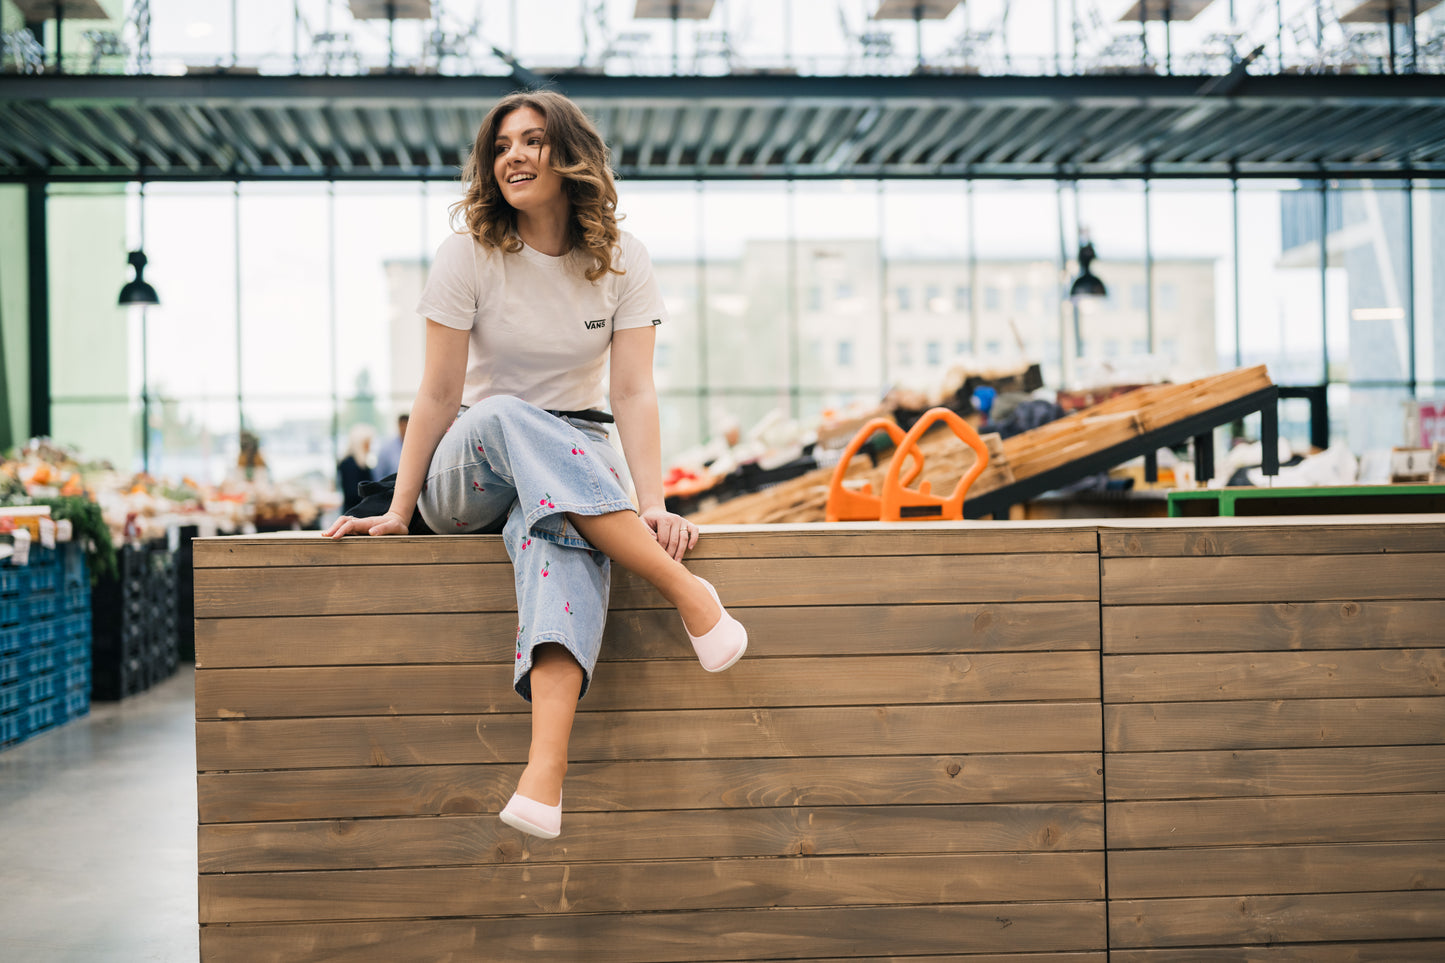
column 1031, row 453
column 1274, row 710
column 906, row 765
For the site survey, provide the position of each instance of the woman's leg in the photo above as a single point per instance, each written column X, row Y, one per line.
column 556, row 686
column 626, row 539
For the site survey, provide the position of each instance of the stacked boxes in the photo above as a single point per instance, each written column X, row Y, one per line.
column 134, row 621
column 44, row 642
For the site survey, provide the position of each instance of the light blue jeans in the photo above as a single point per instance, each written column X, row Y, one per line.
column 505, row 465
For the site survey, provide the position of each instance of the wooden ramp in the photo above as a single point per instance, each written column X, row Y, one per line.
column 1030, row 463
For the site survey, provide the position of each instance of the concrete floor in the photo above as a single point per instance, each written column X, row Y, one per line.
column 98, row 835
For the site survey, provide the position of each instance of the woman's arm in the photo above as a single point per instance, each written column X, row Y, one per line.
column 634, row 404
column 433, row 412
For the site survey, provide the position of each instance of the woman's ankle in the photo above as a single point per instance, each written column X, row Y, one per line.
column 542, row 780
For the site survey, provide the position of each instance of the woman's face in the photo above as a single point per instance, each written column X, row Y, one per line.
column 522, row 162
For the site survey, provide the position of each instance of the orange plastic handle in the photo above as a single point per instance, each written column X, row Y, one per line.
column 846, row 505
column 898, row 501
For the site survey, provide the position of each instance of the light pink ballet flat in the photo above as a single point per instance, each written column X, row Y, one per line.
column 721, row 646
column 533, row 817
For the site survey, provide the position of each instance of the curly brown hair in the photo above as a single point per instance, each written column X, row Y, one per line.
column 579, row 157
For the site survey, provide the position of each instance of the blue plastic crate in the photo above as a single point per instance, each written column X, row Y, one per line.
column 11, row 579
column 13, row 668
column 43, row 632
column 10, row 610
column 12, row 729
column 13, row 698
column 14, row 639
column 41, row 688
column 74, row 572
column 76, row 599
column 77, row 677
column 38, row 607
column 74, row 651
column 39, row 661
column 41, row 579
column 77, row 703
column 43, row 715
column 76, row 627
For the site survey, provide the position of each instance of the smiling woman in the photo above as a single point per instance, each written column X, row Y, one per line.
column 528, row 312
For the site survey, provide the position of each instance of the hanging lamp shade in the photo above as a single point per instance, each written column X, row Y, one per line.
column 1087, row 284
column 139, row 290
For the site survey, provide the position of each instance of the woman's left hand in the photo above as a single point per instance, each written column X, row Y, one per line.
column 674, row 533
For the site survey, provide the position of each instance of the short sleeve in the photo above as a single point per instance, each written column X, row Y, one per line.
column 450, row 295
column 640, row 301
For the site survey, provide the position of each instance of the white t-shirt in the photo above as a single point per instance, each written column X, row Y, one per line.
column 539, row 329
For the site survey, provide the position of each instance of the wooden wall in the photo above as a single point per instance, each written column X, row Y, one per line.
column 907, row 764
column 1274, row 731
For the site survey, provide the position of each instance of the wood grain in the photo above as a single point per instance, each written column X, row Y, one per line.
column 1275, row 772
column 1277, row 919
column 1265, row 626
column 467, row 689
column 1275, row 820
column 655, row 785
column 1338, row 673
column 697, row 834
column 716, row 541
column 638, row 887
column 1271, row 578
column 649, row 634
column 884, row 580
column 1273, row 724
column 1381, row 535
column 1255, row 870
column 782, row 934
column 1394, row 951
column 602, row 736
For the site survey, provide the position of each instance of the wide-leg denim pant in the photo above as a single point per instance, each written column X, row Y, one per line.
column 505, row 465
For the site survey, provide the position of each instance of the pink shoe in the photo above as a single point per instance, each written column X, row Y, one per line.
column 533, row 817
column 721, row 646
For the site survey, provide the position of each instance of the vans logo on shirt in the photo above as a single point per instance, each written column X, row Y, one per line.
column 600, row 323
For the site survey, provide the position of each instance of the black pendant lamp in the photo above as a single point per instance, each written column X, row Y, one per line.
column 139, row 290
column 1087, row 284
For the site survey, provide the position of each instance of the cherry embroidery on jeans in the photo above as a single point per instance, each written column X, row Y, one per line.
column 460, row 523
column 577, row 451
column 527, row 544
column 481, row 450
column 547, row 501
column 520, row 630
column 567, row 607
column 476, row 486
column 544, row 568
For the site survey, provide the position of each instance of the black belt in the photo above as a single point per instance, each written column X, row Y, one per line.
column 590, row 414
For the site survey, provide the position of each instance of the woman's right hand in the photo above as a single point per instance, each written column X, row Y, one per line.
column 388, row 524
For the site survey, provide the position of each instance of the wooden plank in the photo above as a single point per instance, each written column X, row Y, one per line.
column 716, row 542
column 1275, row 772
column 652, row 785
column 1274, row 724
column 414, row 842
column 1310, row 918
column 884, row 580
column 1359, row 673
column 1381, row 535
column 639, row 887
column 1276, row 820
column 477, row 689
column 1255, row 870
column 649, row 634
column 1266, row 626
column 781, row 934
column 1271, row 578
column 1393, row 951
column 601, row 736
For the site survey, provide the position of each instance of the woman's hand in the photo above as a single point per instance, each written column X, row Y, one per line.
column 674, row 533
column 388, row 524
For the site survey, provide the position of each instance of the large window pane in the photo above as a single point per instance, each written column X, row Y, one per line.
column 928, row 287
column 1370, row 251
column 837, row 299
column 1192, row 235
column 1016, row 230
column 1281, row 309
column 1429, row 231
